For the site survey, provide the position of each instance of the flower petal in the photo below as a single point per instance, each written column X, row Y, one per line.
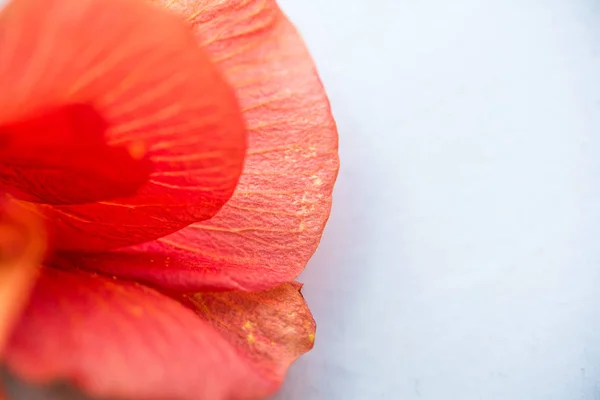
column 43, row 158
column 271, row 328
column 271, row 226
column 22, row 245
column 119, row 339
column 159, row 94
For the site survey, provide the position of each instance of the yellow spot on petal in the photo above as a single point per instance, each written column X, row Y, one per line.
column 247, row 325
column 311, row 337
column 136, row 311
column 251, row 338
column 137, row 150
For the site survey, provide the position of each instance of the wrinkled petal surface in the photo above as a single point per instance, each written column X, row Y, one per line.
column 272, row 225
column 271, row 328
column 22, row 245
column 128, row 341
column 163, row 110
column 122, row 340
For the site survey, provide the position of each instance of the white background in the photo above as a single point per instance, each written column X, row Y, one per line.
column 461, row 261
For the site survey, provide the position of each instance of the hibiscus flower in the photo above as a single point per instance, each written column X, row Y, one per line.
column 166, row 169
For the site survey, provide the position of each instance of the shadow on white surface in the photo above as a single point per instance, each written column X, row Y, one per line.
column 461, row 260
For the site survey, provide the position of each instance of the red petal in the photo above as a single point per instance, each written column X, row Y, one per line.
column 272, row 225
column 142, row 71
column 22, row 245
column 120, row 339
column 43, row 158
column 272, row 328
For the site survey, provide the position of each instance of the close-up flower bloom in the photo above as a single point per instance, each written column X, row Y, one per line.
column 166, row 172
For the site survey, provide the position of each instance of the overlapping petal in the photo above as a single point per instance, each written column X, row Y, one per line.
column 158, row 98
column 152, row 106
column 271, row 226
column 64, row 148
column 271, row 328
column 129, row 341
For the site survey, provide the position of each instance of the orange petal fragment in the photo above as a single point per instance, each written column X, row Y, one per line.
column 22, row 245
column 270, row 328
column 271, row 226
column 118, row 339
column 142, row 71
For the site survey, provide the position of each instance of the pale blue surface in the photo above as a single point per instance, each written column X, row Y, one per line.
column 461, row 261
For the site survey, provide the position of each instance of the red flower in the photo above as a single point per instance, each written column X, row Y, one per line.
column 184, row 180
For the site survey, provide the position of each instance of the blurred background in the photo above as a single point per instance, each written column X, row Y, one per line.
column 461, row 260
